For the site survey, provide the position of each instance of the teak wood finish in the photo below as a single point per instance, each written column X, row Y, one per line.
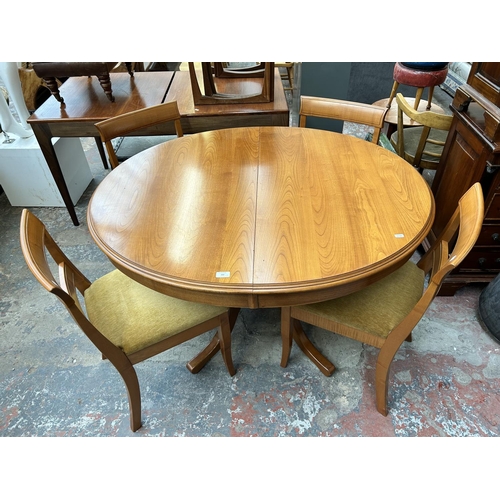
column 335, row 109
column 422, row 143
column 287, row 215
column 37, row 245
column 442, row 258
column 86, row 104
column 131, row 123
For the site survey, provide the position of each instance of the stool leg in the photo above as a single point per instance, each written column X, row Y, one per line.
column 395, row 86
column 420, row 91
column 429, row 102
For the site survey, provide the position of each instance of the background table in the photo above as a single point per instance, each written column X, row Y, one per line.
column 261, row 216
column 86, row 104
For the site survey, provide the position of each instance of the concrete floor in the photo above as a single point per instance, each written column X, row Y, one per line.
column 54, row 383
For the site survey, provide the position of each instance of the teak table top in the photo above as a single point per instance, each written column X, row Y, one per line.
column 87, row 104
column 261, row 216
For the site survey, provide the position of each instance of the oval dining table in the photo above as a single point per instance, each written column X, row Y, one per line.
column 261, row 217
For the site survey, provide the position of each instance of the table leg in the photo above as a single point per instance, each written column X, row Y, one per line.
column 102, row 153
column 307, row 347
column 44, row 136
column 201, row 359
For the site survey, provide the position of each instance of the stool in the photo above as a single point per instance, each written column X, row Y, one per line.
column 49, row 71
column 420, row 75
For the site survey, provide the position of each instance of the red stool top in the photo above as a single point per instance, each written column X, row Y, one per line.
column 417, row 77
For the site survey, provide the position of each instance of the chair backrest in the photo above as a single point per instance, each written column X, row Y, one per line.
column 128, row 123
column 428, row 120
column 37, row 245
column 440, row 259
column 347, row 111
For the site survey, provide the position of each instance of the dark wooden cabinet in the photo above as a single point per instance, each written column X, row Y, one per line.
column 472, row 154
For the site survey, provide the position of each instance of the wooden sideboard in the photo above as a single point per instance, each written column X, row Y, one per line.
column 471, row 154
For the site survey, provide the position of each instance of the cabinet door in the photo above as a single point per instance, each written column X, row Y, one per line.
column 463, row 164
column 485, row 78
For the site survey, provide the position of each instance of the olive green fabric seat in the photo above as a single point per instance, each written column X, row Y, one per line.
column 378, row 308
column 133, row 316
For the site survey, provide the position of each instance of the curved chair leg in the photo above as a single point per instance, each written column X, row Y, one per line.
column 384, row 360
column 129, row 376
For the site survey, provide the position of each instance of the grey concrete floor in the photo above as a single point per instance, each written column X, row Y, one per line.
column 53, row 382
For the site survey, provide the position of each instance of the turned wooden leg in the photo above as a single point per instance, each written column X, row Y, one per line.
column 51, row 83
column 129, row 68
column 105, row 82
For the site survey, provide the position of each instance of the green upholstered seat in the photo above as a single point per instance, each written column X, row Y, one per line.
column 133, row 316
column 378, row 308
column 412, row 139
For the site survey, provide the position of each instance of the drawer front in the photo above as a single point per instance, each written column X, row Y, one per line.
column 492, row 211
column 482, row 259
column 489, row 235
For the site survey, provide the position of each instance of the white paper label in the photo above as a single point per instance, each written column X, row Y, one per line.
column 399, row 235
column 222, row 274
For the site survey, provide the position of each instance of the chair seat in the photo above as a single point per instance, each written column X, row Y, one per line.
column 133, row 316
column 378, row 308
column 411, row 140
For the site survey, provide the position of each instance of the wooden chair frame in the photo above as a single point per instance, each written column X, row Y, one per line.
column 212, row 96
column 428, row 121
column 129, row 123
column 221, row 70
column 437, row 263
column 36, row 244
column 335, row 109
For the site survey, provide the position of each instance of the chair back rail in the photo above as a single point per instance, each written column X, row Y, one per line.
column 335, row 109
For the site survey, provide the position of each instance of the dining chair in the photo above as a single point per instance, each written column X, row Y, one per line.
column 127, row 123
column 384, row 313
column 125, row 320
column 347, row 111
column 422, row 143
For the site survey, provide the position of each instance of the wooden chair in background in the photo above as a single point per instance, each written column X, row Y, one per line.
column 125, row 320
column 384, row 314
column 347, row 111
column 423, row 145
column 128, row 123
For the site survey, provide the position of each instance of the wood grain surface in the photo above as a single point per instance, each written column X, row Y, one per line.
column 290, row 215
